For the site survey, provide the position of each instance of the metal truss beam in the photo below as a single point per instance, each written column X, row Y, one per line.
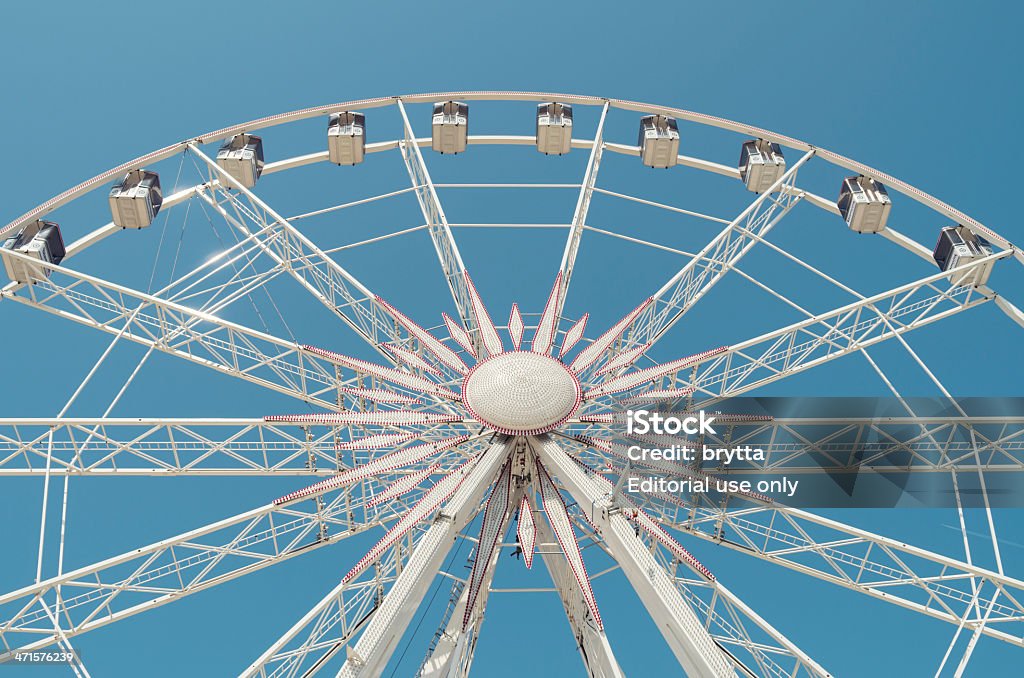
column 877, row 566
column 693, row 646
column 452, row 650
column 754, row 645
column 196, row 336
column 699, row 275
column 321, row 276
column 329, row 626
column 808, row 343
column 878, row 445
column 142, row 579
column 172, row 447
column 579, row 217
column 595, row 650
column 761, row 648
column 221, row 280
column 372, row 651
column 451, row 653
column 437, row 223
column 882, row 445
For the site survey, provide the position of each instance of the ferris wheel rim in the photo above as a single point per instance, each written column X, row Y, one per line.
column 501, row 95
column 423, row 98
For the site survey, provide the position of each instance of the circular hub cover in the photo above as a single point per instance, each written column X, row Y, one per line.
column 521, row 393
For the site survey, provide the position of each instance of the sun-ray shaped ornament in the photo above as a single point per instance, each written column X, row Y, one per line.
column 467, row 387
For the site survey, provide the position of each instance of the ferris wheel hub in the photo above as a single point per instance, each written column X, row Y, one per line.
column 521, row 392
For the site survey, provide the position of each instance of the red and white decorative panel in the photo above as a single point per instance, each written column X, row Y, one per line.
column 573, row 336
column 461, row 337
column 447, row 356
column 526, row 531
column 515, row 326
column 554, row 507
column 488, row 333
column 544, row 337
column 431, row 501
column 590, row 354
column 491, row 531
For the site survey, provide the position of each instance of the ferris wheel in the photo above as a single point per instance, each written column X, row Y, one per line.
column 474, row 423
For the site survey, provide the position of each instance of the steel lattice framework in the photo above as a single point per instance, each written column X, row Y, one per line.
column 466, row 430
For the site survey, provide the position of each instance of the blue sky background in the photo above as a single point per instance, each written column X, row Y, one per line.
column 926, row 92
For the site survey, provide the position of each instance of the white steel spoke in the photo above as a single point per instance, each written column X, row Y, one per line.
column 437, row 223
column 725, row 250
column 169, row 447
column 168, row 570
column 883, row 568
column 849, row 445
column 319, row 274
column 452, row 648
column 595, row 650
column 376, row 644
column 579, row 217
column 659, row 205
column 694, row 648
column 755, row 646
column 830, row 335
column 330, row 625
column 762, row 648
column 451, row 651
column 196, row 336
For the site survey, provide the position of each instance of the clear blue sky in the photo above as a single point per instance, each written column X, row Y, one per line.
column 927, row 92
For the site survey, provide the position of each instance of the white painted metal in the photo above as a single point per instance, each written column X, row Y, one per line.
column 579, row 217
column 114, row 447
column 883, row 568
column 363, row 439
column 698, row 276
column 547, row 327
column 437, row 223
column 322, row 276
column 492, row 530
column 170, row 569
column 830, row 335
column 488, row 339
column 330, row 625
column 885, row 444
column 693, row 647
column 452, row 650
column 374, row 647
column 192, row 335
column 754, row 645
column 595, row 650
column 554, row 509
